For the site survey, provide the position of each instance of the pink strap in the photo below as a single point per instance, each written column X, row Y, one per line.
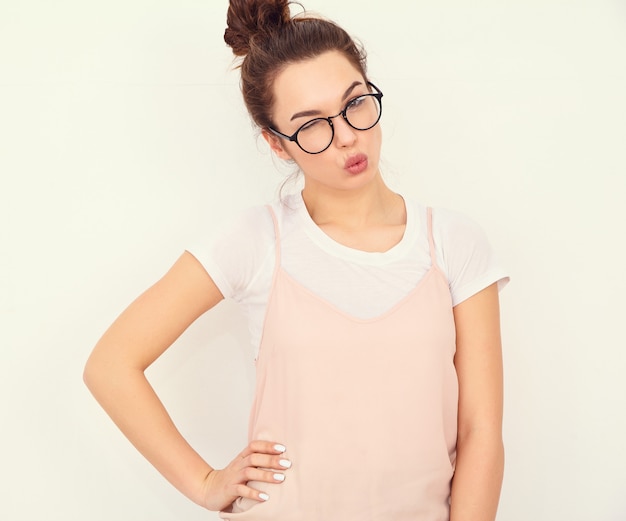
column 276, row 237
column 431, row 242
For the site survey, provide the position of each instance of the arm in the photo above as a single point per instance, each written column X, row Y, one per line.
column 114, row 373
column 480, row 453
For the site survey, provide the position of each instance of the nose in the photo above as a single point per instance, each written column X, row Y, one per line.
column 345, row 135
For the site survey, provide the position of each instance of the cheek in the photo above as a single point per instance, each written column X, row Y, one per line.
column 375, row 140
column 313, row 164
column 377, row 134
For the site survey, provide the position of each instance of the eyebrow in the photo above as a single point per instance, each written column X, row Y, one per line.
column 317, row 112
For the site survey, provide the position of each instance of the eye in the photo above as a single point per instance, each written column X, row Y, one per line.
column 356, row 103
column 312, row 125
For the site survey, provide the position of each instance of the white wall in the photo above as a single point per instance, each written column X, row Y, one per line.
column 123, row 140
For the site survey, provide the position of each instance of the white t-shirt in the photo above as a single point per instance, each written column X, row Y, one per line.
column 362, row 284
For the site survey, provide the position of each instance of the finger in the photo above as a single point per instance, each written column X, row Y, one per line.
column 266, row 447
column 263, row 447
column 251, row 493
column 266, row 461
column 264, row 475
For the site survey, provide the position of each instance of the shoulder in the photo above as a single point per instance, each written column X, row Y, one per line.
column 254, row 230
column 235, row 254
column 247, row 239
column 452, row 224
column 464, row 253
column 254, row 223
column 452, row 231
column 245, row 235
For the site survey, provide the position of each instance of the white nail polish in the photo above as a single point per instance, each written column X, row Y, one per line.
column 263, row 496
column 279, row 477
column 280, row 448
column 285, row 463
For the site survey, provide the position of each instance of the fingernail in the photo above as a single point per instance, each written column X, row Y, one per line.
column 285, row 463
column 280, row 448
column 263, row 496
column 279, row 477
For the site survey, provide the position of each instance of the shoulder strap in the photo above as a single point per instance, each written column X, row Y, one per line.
column 431, row 241
column 276, row 236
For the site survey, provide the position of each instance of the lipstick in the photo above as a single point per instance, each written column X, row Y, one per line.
column 356, row 164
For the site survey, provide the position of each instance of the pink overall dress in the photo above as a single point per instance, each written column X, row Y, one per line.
column 366, row 408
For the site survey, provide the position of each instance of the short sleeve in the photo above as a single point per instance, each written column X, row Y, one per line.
column 465, row 255
column 238, row 253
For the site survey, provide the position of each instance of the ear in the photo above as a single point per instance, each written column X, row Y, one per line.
column 276, row 145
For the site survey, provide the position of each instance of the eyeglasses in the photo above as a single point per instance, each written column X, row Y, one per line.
column 361, row 113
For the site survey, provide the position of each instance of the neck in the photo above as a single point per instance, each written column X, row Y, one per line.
column 372, row 204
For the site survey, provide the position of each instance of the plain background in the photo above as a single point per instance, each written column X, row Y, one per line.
column 123, row 140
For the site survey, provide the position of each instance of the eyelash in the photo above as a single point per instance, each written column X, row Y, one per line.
column 353, row 100
column 347, row 106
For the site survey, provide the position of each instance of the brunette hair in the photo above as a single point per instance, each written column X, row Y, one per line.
column 268, row 38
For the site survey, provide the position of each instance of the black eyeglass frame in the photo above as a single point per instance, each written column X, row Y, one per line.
column 294, row 137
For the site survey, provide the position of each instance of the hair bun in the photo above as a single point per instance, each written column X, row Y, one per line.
column 249, row 19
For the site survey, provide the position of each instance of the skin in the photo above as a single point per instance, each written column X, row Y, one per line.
column 480, row 453
column 359, row 211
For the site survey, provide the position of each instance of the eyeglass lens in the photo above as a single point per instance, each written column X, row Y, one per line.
column 362, row 113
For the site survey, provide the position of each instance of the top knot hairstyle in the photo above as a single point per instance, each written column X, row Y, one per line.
column 268, row 38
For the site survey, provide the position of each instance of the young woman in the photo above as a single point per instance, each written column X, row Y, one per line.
column 376, row 322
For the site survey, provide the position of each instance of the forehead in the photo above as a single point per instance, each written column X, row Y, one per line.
column 314, row 84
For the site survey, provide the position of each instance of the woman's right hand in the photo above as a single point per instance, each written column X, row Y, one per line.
column 259, row 461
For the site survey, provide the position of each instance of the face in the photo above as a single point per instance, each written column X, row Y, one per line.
column 321, row 87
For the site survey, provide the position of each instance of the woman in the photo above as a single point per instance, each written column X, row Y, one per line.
column 378, row 391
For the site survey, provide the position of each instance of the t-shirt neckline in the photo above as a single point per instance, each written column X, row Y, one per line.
column 332, row 247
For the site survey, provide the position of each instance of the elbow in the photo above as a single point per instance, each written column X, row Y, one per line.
column 486, row 445
column 106, row 375
column 90, row 374
column 487, row 437
column 99, row 373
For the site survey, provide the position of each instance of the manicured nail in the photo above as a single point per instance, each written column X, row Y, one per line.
column 279, row 477
column 285, row 463
column 263, row 496
column 280, row 448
